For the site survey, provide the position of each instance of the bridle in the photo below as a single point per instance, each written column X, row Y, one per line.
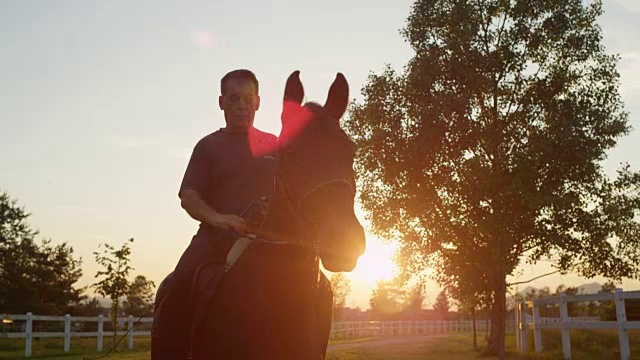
column 284, row 163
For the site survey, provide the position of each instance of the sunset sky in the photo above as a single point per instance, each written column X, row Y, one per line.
column 101, row 103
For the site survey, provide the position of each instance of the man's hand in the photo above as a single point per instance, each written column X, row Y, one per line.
column 195, row 206
column 229, row 222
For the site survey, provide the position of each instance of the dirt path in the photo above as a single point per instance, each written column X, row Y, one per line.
column 382, row 342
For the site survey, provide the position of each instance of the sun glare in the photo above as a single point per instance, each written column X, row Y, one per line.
column 375, row 264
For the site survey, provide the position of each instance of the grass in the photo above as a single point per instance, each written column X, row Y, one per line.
column 79, row 348
column 586, row 345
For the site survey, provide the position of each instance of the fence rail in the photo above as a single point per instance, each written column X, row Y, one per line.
column 565, row 323
column 24, row 328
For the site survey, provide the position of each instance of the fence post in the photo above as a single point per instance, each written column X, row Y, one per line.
column 537, row 332
column 621, row 317
column 28, row 336
column 525, row 327
column 518, row 316
column 100, row 331
column 67, row 332
column 564, row 318
column 130, row 332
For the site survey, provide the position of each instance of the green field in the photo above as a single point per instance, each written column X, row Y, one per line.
column 586, row 345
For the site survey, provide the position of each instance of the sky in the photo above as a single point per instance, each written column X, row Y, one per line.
column 101, row 103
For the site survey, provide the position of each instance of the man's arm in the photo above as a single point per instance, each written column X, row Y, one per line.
column 196, row 180
column 198, row 209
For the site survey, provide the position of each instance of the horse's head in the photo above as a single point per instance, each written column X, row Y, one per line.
column 315, row 171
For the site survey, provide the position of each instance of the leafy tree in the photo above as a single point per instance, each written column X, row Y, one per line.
column 386, row 300
column 341, row 286
column 114, row 283
column 442, row 304
column 490, row 143
column 607, row 287
column 414, row 299
column 573, row 308
column 139, row 297
column 472, row 298
column 34, row 277
column 607, row 309
column 468, row 307
column 87, row 307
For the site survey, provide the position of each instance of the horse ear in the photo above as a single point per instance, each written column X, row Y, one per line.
column 294, row 91
column 338, row 97
column 293, row 95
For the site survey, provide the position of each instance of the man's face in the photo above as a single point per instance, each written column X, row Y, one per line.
column 239, row 103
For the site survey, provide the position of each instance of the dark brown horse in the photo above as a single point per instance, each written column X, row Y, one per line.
column 268, row 304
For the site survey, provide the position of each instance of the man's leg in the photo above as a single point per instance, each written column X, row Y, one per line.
column 173, row 306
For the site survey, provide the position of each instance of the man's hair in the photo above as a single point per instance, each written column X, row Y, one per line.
column 242, row 75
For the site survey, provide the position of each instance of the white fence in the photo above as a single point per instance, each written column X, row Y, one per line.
column 525, row 321
column 24, row 328
column 358, row 329
column 25, row 323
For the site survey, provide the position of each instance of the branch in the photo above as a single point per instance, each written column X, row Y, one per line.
column 543, row 275
column 535, row 278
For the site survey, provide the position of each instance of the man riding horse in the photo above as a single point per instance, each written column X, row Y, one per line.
column 229, row 177
column 253, row 289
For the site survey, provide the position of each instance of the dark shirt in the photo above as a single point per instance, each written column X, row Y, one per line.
column 231, row 171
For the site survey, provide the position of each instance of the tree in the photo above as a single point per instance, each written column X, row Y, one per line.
column 414, row 299
column 341, row 286
column 607, row 309
column 490, row 142
column 471, row 297
column 441, row 306
column 468, row 307
column 87, row 307
column 386, row 300
column 139, row 297
column 34, row 277
column 114, row 283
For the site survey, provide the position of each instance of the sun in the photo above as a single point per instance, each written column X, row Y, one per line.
column 375, row 264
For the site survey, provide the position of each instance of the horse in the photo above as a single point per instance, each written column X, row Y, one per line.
column 269, row 301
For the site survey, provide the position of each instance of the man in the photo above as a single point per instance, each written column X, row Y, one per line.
column 229, row 170
column 233, row 167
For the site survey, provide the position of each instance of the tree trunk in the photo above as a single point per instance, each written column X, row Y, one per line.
column 498, row 319
column 473, row 318
column 115, row 324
